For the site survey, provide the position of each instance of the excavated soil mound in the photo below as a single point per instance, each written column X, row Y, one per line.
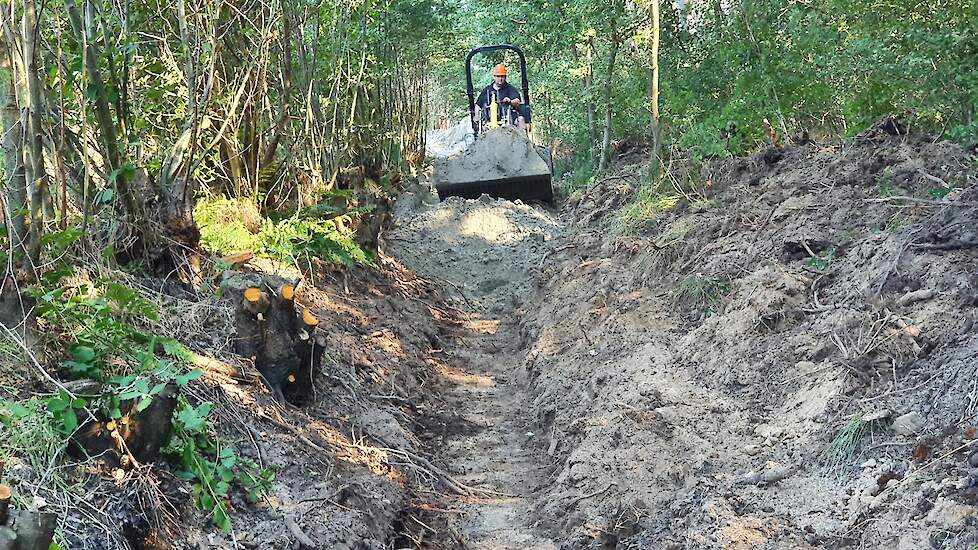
column 486, row 249
column 441, row 143
column 501, row 153
column 785, row 358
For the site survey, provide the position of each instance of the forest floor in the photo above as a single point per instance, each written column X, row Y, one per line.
column 783, row 355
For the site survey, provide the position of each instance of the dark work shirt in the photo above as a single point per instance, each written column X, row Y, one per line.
column 506, row 91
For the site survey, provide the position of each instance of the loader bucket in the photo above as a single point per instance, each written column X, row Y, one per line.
column 502, row 163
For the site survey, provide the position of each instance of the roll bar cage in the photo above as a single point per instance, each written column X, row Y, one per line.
column 470, row 91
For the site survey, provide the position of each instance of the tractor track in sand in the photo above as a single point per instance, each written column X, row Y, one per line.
column 481, row 250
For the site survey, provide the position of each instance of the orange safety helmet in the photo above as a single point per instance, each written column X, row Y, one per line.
column 499, row 70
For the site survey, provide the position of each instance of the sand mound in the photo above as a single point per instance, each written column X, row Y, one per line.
column 450, row 141
column 501, row 153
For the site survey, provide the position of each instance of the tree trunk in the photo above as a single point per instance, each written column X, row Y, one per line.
column 110, row 138
column 606, row 138
column 592, row 124
column 655, row 127
column 268, row 156
column 14, row 176
column 35, row 143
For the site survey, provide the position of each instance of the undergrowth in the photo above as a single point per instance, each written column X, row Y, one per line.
column 92, row 331
column 578, row 175
column 658, row 191
column 212, row 465
column 233, row 225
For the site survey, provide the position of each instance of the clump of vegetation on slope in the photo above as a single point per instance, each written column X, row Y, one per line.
column 224, row 230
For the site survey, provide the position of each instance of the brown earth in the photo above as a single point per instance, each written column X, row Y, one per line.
column 785, row 357
column 699, row 379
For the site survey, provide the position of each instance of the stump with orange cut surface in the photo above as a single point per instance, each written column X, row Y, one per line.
column 270, row 329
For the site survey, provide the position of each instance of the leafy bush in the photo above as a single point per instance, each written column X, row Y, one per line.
column 130, row 367
column 93, row 321
column 212, row 465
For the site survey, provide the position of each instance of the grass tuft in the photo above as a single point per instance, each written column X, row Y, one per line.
column 842, row 450
column 701, row 293
column 650, row 202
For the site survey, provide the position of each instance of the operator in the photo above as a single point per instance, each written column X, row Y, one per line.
column 506, row 94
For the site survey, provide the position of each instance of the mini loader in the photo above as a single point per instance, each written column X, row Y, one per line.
column 502, row 161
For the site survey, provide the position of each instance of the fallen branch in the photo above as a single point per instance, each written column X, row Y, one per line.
column 446, row 479
column 930, row 202
column 950, row 245
column 893, row 265
column 575, row 500
column 297, row 532
column 457, row 288
column 915, row 296
column 933, row 178
column 436, row 308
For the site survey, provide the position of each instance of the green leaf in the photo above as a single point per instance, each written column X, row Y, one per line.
column 123, row 380
column 193, row 419
column 83, row 354
column 188, row 455
column 17, row 410
column 185, row 475
column 144, row 403
column 206, row 500
column 105, row 196
column 113, row 407
column 227, row 475
column 57, row 404
column 183, row 379
column 81, row 369
column 221, row 518
column 175, row 349
column 69, row 421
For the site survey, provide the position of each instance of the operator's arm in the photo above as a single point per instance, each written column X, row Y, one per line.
column 512, row 96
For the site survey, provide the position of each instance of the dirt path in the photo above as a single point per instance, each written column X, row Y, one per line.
column 485, row 252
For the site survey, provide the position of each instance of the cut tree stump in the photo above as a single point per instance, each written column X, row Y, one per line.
column 272, row 332
column 22, row 530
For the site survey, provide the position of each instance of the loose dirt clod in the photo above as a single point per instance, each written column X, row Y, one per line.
column 908, row 424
